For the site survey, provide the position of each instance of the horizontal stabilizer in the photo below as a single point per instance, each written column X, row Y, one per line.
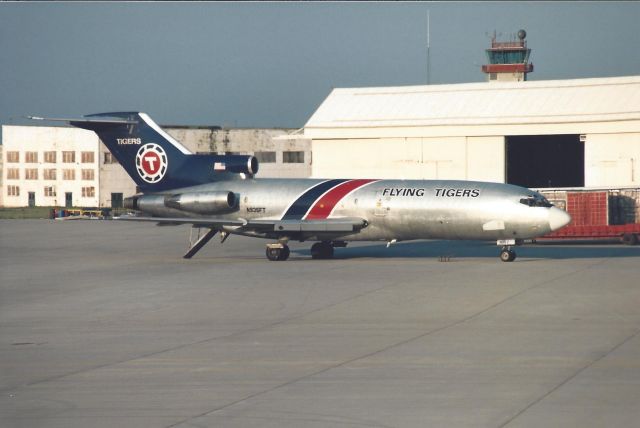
column 84, row 120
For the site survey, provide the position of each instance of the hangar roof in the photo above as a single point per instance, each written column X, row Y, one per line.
column 488, row 103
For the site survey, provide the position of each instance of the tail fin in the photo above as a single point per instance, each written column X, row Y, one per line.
column 154, row 159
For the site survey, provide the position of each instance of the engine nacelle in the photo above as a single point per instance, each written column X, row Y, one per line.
column 235, row 163
column 147, row 203
column 216, row 202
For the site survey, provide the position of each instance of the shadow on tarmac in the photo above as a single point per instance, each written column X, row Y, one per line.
column 475, row 249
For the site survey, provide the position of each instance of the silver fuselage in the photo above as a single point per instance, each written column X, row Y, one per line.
column 393, row 209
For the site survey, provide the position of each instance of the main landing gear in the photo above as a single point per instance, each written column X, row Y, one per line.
column 277, row 252
column 322, row 250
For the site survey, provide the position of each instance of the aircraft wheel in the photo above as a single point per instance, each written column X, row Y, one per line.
column 316, row 250
column 507, row 255
column 322, row 250
column 327, row 251
column 284, row 253
column 274, row 254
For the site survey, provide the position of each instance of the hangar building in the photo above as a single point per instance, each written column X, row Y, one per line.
column 539, row 134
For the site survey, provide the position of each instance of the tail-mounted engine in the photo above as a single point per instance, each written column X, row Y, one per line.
column 214, row 202
column 234, row 163
column 202, row 202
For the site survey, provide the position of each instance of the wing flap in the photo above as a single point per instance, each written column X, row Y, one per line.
column 171, row 221
column 343, row 224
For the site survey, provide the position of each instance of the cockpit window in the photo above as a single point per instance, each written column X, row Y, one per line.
column 536, row 201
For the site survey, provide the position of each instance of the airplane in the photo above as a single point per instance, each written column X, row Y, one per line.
column 221, row 193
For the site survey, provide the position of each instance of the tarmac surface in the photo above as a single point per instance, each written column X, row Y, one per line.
column 103, row 324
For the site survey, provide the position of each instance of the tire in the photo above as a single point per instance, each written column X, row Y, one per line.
column 321, row 250
column 327, row 251
column 273, row 254
column 507, row 256
column 315, row 250
column 284, row 253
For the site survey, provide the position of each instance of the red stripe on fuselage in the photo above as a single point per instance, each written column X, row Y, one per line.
column 323, row 206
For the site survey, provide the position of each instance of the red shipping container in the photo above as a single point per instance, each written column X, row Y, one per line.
column 588, row 209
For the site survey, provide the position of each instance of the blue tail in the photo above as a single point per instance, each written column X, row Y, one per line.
column 154, row 159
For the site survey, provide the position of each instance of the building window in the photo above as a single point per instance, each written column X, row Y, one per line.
column 13, row 174
column 108, row 158
column 68, row 157
column 293, row 157
column 88, row 174
column 69, row 174
column 31, row 157
column 50, row 157
column 13, row 157
column 87, row 157
column 266, row 157
column 13, row 190
column 49, row 174
column 88, row 192
column 31, row 173
column 49, row 191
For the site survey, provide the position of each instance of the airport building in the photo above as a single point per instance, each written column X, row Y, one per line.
column 50, row 166
column 69, row 167
column 539, row 134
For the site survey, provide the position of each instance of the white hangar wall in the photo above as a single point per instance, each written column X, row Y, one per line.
column 462, row 131
column 456, row 158
column 612, row 159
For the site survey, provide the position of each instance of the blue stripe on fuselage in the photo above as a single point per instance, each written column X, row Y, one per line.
column 300, row 207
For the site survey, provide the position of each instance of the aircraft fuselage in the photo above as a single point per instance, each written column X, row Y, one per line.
column 393, row 209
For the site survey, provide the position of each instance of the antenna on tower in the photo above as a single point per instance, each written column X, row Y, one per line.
column 428, row 46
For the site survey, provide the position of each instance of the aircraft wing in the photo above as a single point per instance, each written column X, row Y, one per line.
column 340, row 224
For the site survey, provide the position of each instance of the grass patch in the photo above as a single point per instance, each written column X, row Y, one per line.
column 25, row 212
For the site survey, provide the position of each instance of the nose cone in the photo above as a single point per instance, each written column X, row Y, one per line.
column 558, row 218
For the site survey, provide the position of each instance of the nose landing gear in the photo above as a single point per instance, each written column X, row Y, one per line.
column 506, row 253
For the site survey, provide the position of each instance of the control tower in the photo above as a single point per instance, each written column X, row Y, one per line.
column 508, row 61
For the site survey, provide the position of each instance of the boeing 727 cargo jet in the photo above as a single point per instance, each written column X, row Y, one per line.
column 220, row 193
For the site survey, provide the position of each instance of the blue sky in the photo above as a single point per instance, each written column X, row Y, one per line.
column 272, row 64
